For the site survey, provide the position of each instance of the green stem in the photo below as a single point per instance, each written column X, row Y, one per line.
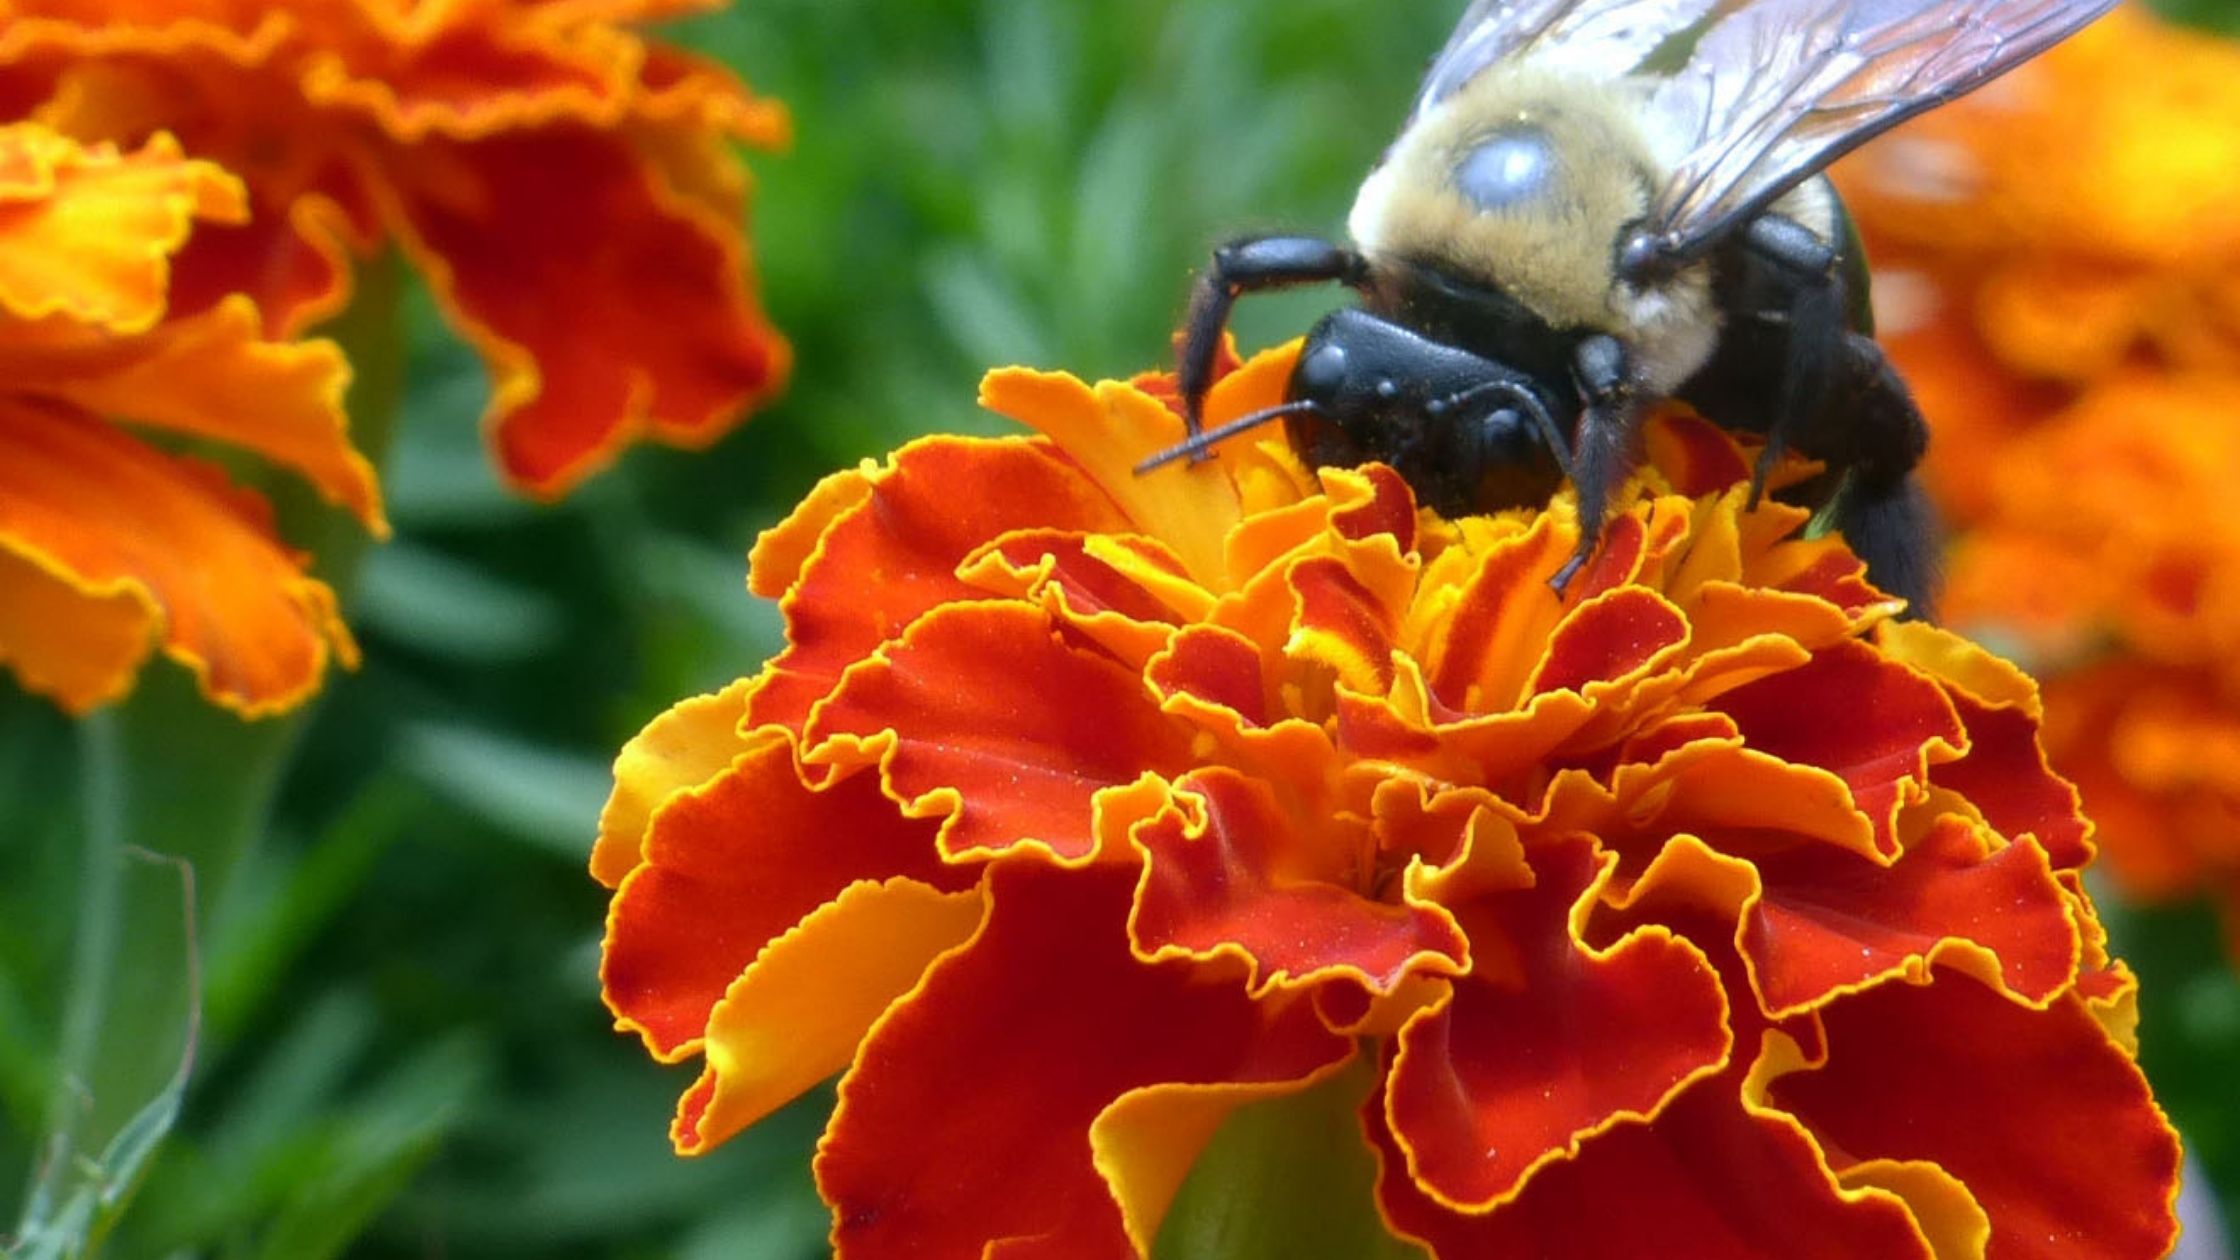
column 100, row 893
column 175, row 775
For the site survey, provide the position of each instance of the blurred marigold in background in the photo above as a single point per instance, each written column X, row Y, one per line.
column 2057, row 266
column 1703, row 911
column 567, row 188
column 110, row 544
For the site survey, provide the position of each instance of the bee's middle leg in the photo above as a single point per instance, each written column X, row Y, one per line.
column 1814, row 323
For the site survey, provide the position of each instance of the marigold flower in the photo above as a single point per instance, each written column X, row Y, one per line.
column 1705, row 910
column 109, row 544
column 2058, row 265
column 566, row 187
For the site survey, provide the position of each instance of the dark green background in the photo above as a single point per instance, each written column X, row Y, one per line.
column 405, row 1053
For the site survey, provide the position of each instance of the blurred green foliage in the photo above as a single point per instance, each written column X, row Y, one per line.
column 403, row 1052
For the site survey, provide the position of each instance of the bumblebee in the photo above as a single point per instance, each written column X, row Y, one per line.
column 1599, row 204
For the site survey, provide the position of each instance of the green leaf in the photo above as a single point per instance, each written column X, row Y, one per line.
column 545, row 796
column 374, row 1149
column 1286, row 1179
column 437, row 604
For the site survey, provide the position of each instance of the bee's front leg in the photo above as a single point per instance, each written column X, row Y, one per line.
column 1604, row 451
column 1251, row 265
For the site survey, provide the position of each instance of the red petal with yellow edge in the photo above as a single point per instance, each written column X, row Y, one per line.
column 683, row 748
column 105, row 513
column 1661, row 739
column 1633, row 545
column 212, row 375
column 2038, row 1113
column 783, row 550
column 1708, row 1180
column 731, row 865
column 797, row 1013
column 894, row 554
column 1608, row 637
column 997, row 728
column 1217, row 667
column 1279, row 890
column 294, row 261
column 1341, row 625
column 1074, row 576
column 1830, row 572
column 1547, row 1043
column 2005, row 776
column 1389, row 509
column 470, row 79
column 1090, row 584
column 1695, row 455
column 967, row 1117
column 521, row 234
column 1852, row 711
column 87, row 233
column 1829, row 920
column 1501, row 624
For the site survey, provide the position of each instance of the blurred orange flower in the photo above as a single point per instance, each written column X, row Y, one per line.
column 108, row 543
column 1703, row 911
column 2058, row 271
column 567, row 188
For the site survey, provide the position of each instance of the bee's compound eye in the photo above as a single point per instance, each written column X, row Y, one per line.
column 1514, row 166
column 1322, row 373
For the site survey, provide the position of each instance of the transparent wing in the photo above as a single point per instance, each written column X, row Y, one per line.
column 1593, row 39
column 1774, row 90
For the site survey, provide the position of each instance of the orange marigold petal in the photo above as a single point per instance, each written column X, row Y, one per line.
column 80, row 648
column 1341, row 625
column 1276, row 889
column 92, row 506
column 1547, row 1043
column 1828, row 920
column 783, row 550
column 938, row 502
column 1106, row 430
column 1075, row 577
column 1695, row 455
column 294, row 261
column 797, row 1013
column 88, row 233
column 1709, row 1180
column 213, row 375
column 979, row 1082
column 2046, row 1121
column 732, row 864
column 2006, row 778
column 525, row 232
column 1501, row 623
column 683, row 748
column 1620, row 632
column 1893, row 722
column 987, row 721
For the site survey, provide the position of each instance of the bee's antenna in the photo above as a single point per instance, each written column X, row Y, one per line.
column 1199, row 443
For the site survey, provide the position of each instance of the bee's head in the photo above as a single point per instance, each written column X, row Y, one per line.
column 1519, row 181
